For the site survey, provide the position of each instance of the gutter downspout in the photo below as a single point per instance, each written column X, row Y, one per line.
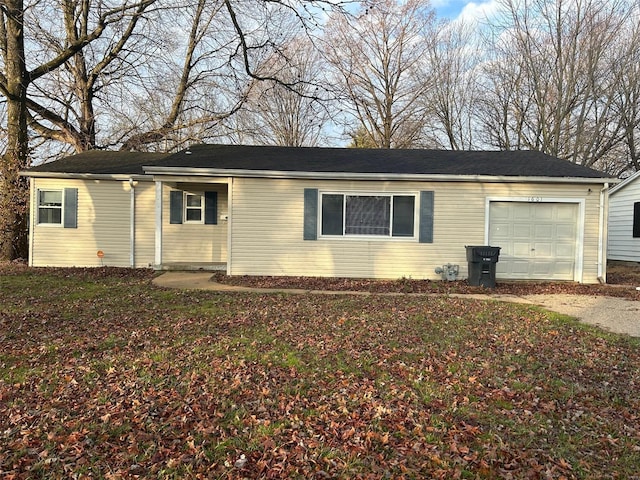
column 132, row 216
column 601, row 235
column 158, row 230
column 229, row 226
column 32, row 218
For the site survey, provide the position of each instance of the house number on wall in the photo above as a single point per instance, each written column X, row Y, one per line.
column 535, row 199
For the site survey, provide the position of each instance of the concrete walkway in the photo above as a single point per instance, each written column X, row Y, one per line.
column 610, row 313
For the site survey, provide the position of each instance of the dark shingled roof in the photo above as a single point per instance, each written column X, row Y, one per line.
column 101, row 162
column 328, row 160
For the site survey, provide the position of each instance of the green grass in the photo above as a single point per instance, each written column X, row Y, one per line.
column 104, row 376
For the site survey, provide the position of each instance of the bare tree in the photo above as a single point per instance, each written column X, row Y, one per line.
column 376, row 59
column 552, row 84
column 15, row 78
column 294, row 114
column 195, row 85
column 626, row 103
column 451, row 68
column 62, row 104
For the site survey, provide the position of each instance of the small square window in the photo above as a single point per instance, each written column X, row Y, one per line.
column 193, row 208
column 50, row 207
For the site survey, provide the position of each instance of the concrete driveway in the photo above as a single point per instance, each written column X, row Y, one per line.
column 610, row 313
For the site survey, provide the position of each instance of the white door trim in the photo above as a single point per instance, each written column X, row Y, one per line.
column 578, row 270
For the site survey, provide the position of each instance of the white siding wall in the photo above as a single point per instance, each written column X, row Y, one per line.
column 622, row 245
column 267, row 229
column 188, row 242
column 103, row 224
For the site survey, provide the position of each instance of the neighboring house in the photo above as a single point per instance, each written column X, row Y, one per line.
column 624, row 220
column 334, row 212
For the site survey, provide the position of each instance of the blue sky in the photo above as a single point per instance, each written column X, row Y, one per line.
column 453, row 9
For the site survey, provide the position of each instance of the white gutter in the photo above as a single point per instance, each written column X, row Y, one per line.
column 278, row 174
column 601, row 235
column 87, row 176
column 132, row 216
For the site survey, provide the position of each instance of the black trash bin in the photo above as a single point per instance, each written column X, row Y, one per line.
column 482, row 265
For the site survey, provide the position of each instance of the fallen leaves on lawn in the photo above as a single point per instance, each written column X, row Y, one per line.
column 102, row 375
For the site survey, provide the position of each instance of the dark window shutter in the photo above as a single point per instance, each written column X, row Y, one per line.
column 70, row 208
column 310, row 214
column 175, row 206
column 636, row 220
column 211, row 208
column 426, row 217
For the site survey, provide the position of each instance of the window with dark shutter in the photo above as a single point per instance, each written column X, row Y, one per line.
column 636, row 220
column 58, row 207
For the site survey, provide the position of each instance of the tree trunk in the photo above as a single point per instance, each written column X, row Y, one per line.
column 14, row 192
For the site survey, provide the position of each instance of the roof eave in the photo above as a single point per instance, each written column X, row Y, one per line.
column 87, row 176
column 279, row 174
column 624, row 183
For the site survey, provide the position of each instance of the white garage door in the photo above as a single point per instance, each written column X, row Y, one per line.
column 538, row 240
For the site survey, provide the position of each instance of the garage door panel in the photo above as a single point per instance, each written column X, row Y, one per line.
column 538, row 240
column 566, row 212
column 564, row 250
column 520, row 211
column 518, row 250
column 564, row 267
column 541, row 211
column 543, row 231
column 521, row 231
column 542, row 250
column 512, row 268
column 566, row 232
column 500, row 230
column 501, row 212
column 541, row 269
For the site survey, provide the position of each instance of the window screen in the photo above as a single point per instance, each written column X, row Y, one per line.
column 367, row 215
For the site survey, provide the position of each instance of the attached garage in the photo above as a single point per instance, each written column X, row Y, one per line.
column 539, row 240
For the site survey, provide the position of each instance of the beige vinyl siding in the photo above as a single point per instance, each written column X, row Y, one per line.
column 591, row 235
column 190, row 242
column 267, row 229
column 622, row 245
column 145, row 224
column 103, row 224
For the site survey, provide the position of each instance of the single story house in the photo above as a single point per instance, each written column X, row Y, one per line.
column 624, row 220
column 336, row 212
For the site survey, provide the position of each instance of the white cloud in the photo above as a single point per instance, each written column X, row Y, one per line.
column 479, row 12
